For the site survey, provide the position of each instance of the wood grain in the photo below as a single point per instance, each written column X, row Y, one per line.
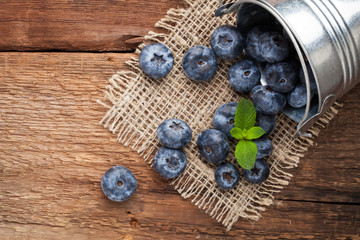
column 53, row 153
column 78, row 25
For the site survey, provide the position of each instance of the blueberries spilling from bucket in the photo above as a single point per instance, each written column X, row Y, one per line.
column 265, row 66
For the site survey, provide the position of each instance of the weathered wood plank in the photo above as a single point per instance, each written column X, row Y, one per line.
column 53, row 154
column 77, row 25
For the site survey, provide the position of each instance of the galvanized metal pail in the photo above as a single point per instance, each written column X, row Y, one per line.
column 325, row 33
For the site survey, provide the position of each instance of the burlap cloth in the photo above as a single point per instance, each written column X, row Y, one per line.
column 137, row 105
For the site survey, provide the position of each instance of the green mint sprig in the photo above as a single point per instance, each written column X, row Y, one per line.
column 245, row 131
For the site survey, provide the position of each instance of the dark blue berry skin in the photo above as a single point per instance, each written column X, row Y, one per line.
column 252, row 47
column 224, row 118
column 266, row 100
column 281, row 77
column 264, row 147
column 169, row 163
column 174, row 133
column 227, row 42
column 266, row 122
column 273, row 47
column 213, row 145
column 313, row 86
column 227, row 175
column 259, row 173
column 298, row 96
column 199, row 63
column 156, row 60
column 244, row 75
column 118, row 183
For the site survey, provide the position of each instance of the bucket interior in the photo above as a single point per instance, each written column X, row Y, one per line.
column 255, row 13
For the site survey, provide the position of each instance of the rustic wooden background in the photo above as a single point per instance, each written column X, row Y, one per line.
column 55, row 59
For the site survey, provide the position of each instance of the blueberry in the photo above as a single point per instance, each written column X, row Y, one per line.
column 199, row 63
column 313, row 86
column 169, row 163
column 298, row 96
column 281, row 77
column 259, row 173
column 266, row 122
column 227, row 42
column 244, row 75
column 156, row 60
column 224, row 118
column 213, row 146
column 227, row 175
column 264, row 147
column 273, row 47
column 252, row 48
column 174, row 133
column 118, row 183
column 266, row 100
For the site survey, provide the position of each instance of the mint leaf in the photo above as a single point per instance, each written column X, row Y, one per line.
column 237, row 133
column 245, row 153
column 254, row 133
column 245, row 114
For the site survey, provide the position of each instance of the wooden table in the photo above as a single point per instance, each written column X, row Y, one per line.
column 55, row 60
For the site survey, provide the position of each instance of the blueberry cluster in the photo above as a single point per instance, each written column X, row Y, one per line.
column 271, row 74
column 170, row 160
column 223, row 121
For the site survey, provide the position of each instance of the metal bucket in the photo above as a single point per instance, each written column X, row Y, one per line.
column 325, row 32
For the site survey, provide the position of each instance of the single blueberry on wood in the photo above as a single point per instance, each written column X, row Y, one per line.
column 118, row 183
column 227, row 175
column 156, row 60
column 213, row 145
column 227, row 42
column 169, row 163
column 199, row 63
column 174, row 133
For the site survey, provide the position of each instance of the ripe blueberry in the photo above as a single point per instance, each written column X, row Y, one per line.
column 227, row 175
column 259, row 173
column 252, row 48
column 298, row 96
column 266, row 100
column 281, row 77
column 266, row 122
column 174, row 133
column 264, row 147
column 244, row 75
column 169, row 163
column 273, row 47
column 156, row 60
column 118, row 183
column 199, row 63
column 224, row 118
column 213, row 146
column 227, row 42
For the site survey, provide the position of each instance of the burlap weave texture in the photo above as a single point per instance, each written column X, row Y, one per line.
column 136, row 105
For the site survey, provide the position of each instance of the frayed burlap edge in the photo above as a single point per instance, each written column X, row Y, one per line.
column 133, row 113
